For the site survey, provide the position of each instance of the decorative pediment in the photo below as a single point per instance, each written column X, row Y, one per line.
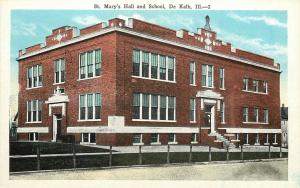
column 209, row 94
column 58, row 97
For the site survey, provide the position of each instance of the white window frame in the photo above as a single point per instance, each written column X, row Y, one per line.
column 174, row 140
column 247, row 114
column 35, row 137
column 256, row 83
column 158, row 67
column 266, row 115
column 86, row 65
column 141, row 139
column 257, row 139
column 157, row 141
column 31, row 111
column 222, row 86
column 193, row 72
column 247, row 84
column 194, row 110
column 89, row 139
column 32, row 76
column 158, row 113
column 265, row 85
column 206, row 79
column 86, row 107
column 60, row 61
column 256, row 111
column 223, row 112
column 194, row 141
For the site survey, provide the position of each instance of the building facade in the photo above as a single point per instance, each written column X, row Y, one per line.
column 125, row 82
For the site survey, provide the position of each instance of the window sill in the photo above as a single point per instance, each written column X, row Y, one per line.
column 36, row 122
column 83, row 120
column 155, row 143
column 266, row 144
column 223, row 123
column 87, row 143
column 257, row 144
column 246, row 144
column 208, row 87
column 193, row 85
column 172, row 143
column 148, row 120
column 262, row 123
column 137, row 144
column 193, row 121
column 27, row 88
column 222, row 89
column 248, row 91
column 194, row 142
column 81, row 79
column 275, row 143
column 58, row 83
column 145, row 78
column 204, row 127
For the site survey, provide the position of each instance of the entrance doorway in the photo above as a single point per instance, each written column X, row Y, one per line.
column 209, row 117
column 57, row 118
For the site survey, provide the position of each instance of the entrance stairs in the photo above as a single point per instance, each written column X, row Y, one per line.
column 221, row 138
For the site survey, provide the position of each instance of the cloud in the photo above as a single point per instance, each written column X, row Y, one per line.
column 255, row 44
column 24, row 29
column 136, row 16
column 267, row 20
column 179, row 20
column 86, row 20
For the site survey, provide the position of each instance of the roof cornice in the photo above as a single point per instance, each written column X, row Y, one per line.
column 149, row 37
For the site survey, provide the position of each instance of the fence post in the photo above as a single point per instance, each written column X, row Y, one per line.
column 269, row 151
column 168, row 154
column 140, row 154
column 242, row 153
column 110, row 156
column 227, row 153
column 280, row 151
column 38, row 155
column 190, row 156
column 209, row 153
column 74, row 156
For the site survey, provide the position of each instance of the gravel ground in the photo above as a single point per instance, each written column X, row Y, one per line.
column 267, row 170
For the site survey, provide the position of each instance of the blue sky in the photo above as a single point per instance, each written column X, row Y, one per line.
column 263, row 32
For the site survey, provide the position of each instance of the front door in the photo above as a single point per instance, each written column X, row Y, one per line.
column 57, row 127
column 209, row 118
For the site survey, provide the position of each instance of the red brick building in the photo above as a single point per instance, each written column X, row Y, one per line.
column 133, row 82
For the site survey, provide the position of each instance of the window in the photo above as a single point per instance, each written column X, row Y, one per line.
column 193, row 110
column 163, row 109
column 154, row 65
column 33, row 136
column 136, row 62
column 245, row 114
column 222, row 112
column 34, row 111
column 154, row 138
column 90, row 64
column 265, row 86
column 192, row 73
column 162, row 67
column 59, row 71
column 266, row 116
column 171, row 72
column 90, row 106
column 255, row 114
column 172, row 138
column 207, row 75
column 35, row 76
column 88, row 138
column 137, row 138
column 145, row 64
column 222, row 76
column 194, row 137
column 255, row 85
column 136, row 106
column 245, row 84
column 153, row 107
column 145, row 106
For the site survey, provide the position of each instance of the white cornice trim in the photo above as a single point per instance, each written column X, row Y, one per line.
column 32, row 129
column 150, row 37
